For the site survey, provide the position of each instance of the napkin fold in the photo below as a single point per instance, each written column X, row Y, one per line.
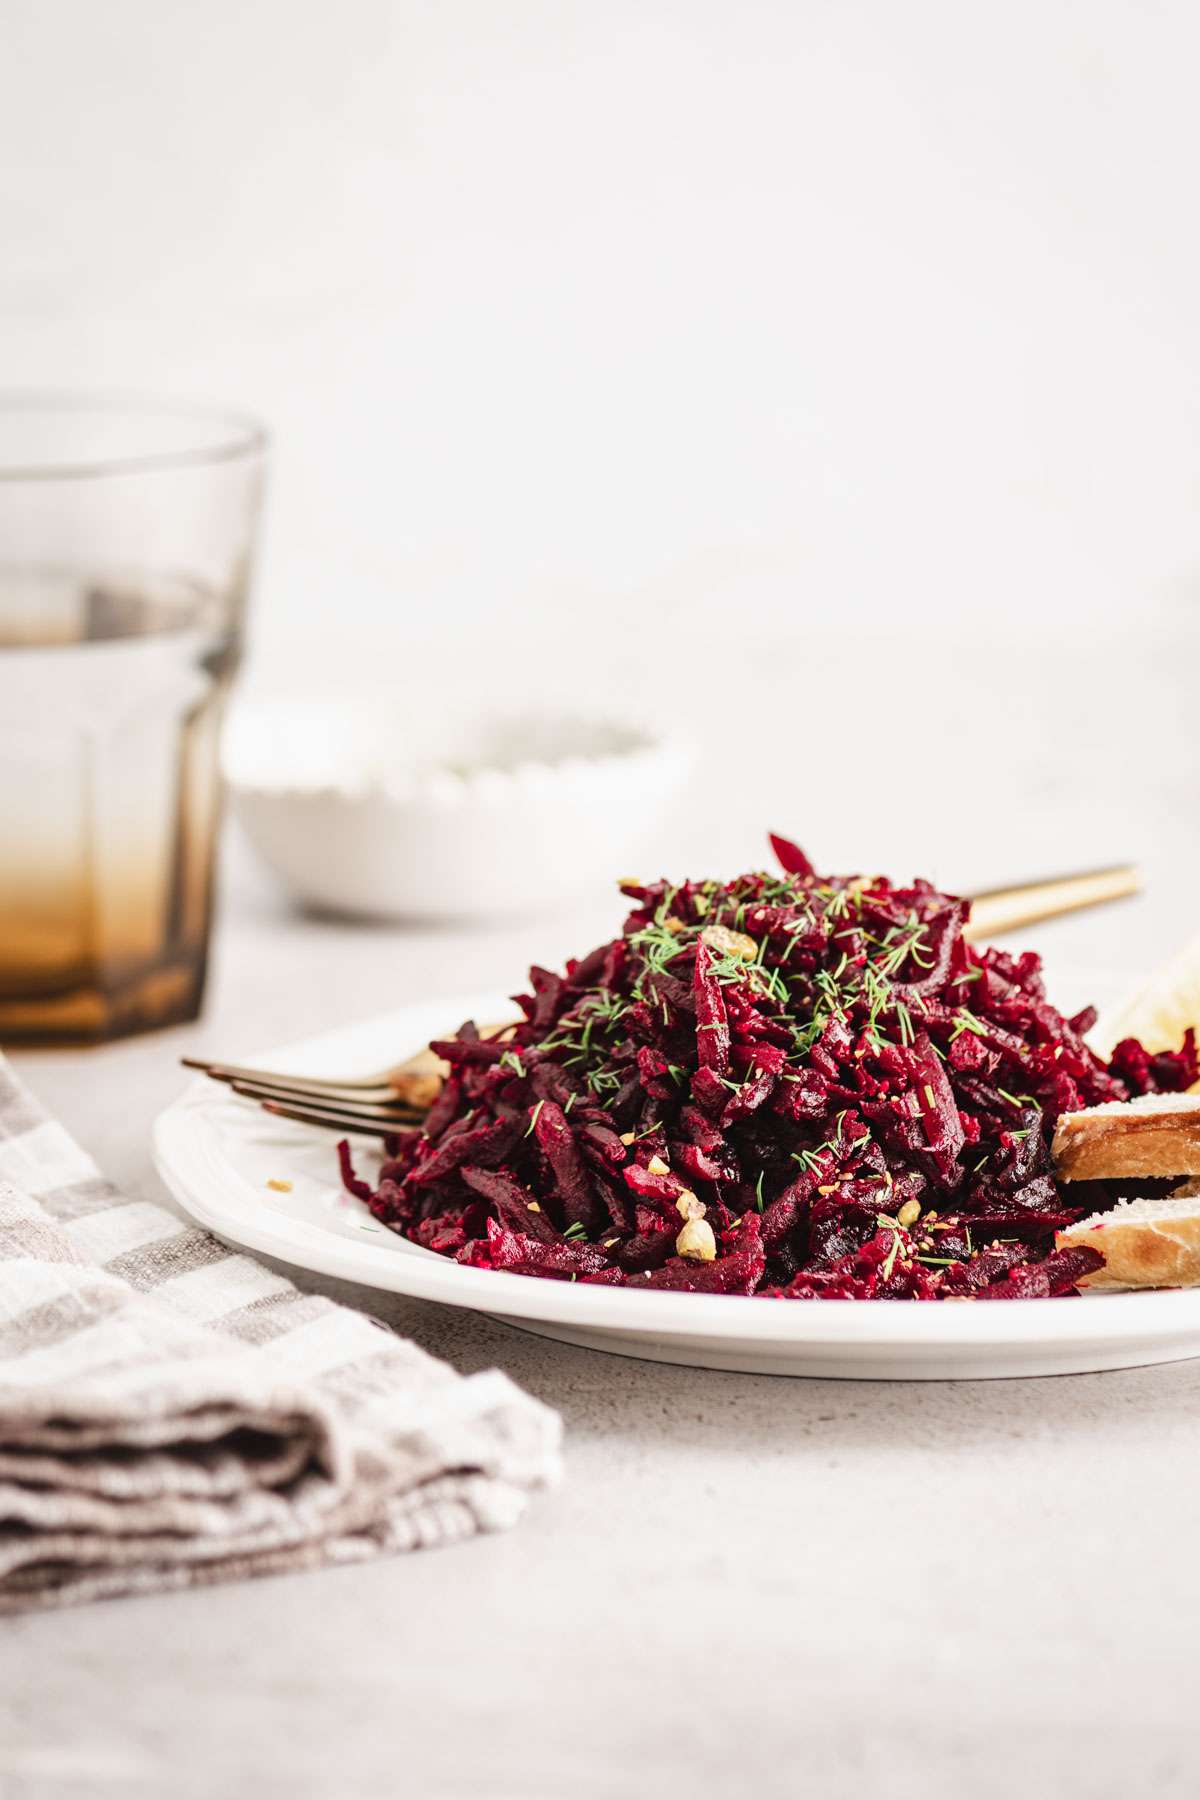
column 173, row 1413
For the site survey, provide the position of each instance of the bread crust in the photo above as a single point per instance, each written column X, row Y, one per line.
column 1114, row 1146
column 1139, row 1253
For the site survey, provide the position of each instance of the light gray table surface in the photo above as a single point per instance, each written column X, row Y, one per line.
column 745, row 1585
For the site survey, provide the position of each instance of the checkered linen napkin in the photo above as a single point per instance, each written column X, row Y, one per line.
column 173, row 1414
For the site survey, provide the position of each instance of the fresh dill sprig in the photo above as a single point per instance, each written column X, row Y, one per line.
column 602, row 1081
column 535, row 1115
column 967, row 1021
column 1017, row 1100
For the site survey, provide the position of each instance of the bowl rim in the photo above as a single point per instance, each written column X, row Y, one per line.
column 490, row 782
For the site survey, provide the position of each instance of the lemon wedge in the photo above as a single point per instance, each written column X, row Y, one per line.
column 1162, row 1011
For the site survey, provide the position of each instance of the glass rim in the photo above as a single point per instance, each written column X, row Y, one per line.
column 245, row 439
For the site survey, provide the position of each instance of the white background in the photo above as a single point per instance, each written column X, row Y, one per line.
column 822, row 376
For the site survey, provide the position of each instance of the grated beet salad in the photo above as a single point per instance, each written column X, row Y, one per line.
column 797, row 1086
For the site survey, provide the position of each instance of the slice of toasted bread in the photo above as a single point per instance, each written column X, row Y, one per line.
column 1145, row 1243
column 1154, row 1136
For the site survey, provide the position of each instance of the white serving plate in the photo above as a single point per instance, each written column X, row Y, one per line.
column 216, row 1153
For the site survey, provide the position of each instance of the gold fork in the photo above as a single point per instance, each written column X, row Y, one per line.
column 399, row 1096
column 387, row 1101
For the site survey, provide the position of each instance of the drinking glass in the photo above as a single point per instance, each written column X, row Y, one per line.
column 127, row 533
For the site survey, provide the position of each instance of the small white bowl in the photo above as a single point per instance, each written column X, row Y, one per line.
column 361, row 812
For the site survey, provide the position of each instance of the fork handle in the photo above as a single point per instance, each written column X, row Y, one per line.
column 1005, row 909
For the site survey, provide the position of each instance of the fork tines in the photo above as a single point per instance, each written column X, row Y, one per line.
column 369, row 1108
column 351, row 1114
column 356, row 1124
column 374, row 1087
column 328, row 1099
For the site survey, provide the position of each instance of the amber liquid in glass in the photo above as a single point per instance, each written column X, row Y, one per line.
column 112, row 688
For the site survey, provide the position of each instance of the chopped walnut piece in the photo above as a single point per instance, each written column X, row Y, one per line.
column 729, row 943
column 696, row 1241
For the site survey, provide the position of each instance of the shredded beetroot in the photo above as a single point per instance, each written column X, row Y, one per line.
column 353, row 1184
column 845, row 1098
